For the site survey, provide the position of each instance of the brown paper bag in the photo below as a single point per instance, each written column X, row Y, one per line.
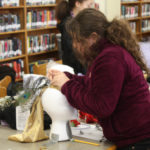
column 34, row 127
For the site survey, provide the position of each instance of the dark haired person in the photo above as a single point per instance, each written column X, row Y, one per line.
column 113, row 89
column 64, row 11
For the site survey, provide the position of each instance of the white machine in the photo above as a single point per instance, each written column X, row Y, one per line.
column 58, row 108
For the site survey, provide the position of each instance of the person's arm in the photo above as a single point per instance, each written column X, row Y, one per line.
column 76, row 77
column 100, row 94
column 69, row 75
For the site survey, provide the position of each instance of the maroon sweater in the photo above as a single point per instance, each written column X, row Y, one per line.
column 115, row 91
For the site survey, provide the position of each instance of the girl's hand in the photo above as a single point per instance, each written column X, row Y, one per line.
column 57, row 78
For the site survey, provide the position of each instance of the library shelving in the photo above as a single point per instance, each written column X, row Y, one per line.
column 21, row 23
column 137, row 12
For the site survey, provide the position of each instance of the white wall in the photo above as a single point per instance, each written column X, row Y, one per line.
column 102, row 5
column 111, row 8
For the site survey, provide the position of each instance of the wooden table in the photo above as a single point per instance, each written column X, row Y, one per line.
column 5, row 144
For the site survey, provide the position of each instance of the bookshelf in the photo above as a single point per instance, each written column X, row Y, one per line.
column 26, row 11
column 137, row 12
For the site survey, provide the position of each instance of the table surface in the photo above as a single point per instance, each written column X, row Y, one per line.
column 6, row 144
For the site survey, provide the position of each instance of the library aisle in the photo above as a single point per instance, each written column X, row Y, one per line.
column 5, row 144
column 137, row 12
column 28, row 34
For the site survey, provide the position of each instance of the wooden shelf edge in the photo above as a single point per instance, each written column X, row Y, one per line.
column 17, row 80
column 41, row 6
column 12, row 32
column 43, row 52
column 137, row 33
column 10, row 7
column 146, row 32
column 145, row 2
column 12, row 58
column 132, row 19
column 44, row 28
column 130, row 3
column 145, row 17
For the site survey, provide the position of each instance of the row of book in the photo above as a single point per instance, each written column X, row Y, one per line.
column 145, row 39
column 9, row 22
column 145, row 25
column 10, row 48
column 133, row 26
column 37, row 19
column 40, row 2
column 41, row 43
column 5, row 3
column 129, row 11
column 146, row 10
column 18, row 66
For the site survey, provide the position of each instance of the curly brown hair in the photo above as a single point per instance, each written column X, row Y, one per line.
column 116, row 31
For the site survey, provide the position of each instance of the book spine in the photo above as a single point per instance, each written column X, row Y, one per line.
column 40, row 2
column 7, row 3
column 145, row 25
column 146, row 10
column 10, row 48
column 9, row 22
column 129, row 11
column 41, row 42
column 37, row 19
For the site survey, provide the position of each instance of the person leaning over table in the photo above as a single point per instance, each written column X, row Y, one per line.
column 65, row 10
column 113, row 89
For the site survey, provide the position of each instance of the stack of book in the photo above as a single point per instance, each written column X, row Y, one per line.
column 133, row 26
column 145, row 25
column 9, row 22
column 37, row 19
column 146, row 10
column 41, row 42
column 10, row 48
column 40, row 2
column 129, row 11
column 18, row 66
column 7, row 3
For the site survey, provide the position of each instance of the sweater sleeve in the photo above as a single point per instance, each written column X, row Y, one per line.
column 75, row 77
column 101, row 90
column 69, row 75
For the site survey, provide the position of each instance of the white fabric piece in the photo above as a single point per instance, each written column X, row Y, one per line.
column 145, row 49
